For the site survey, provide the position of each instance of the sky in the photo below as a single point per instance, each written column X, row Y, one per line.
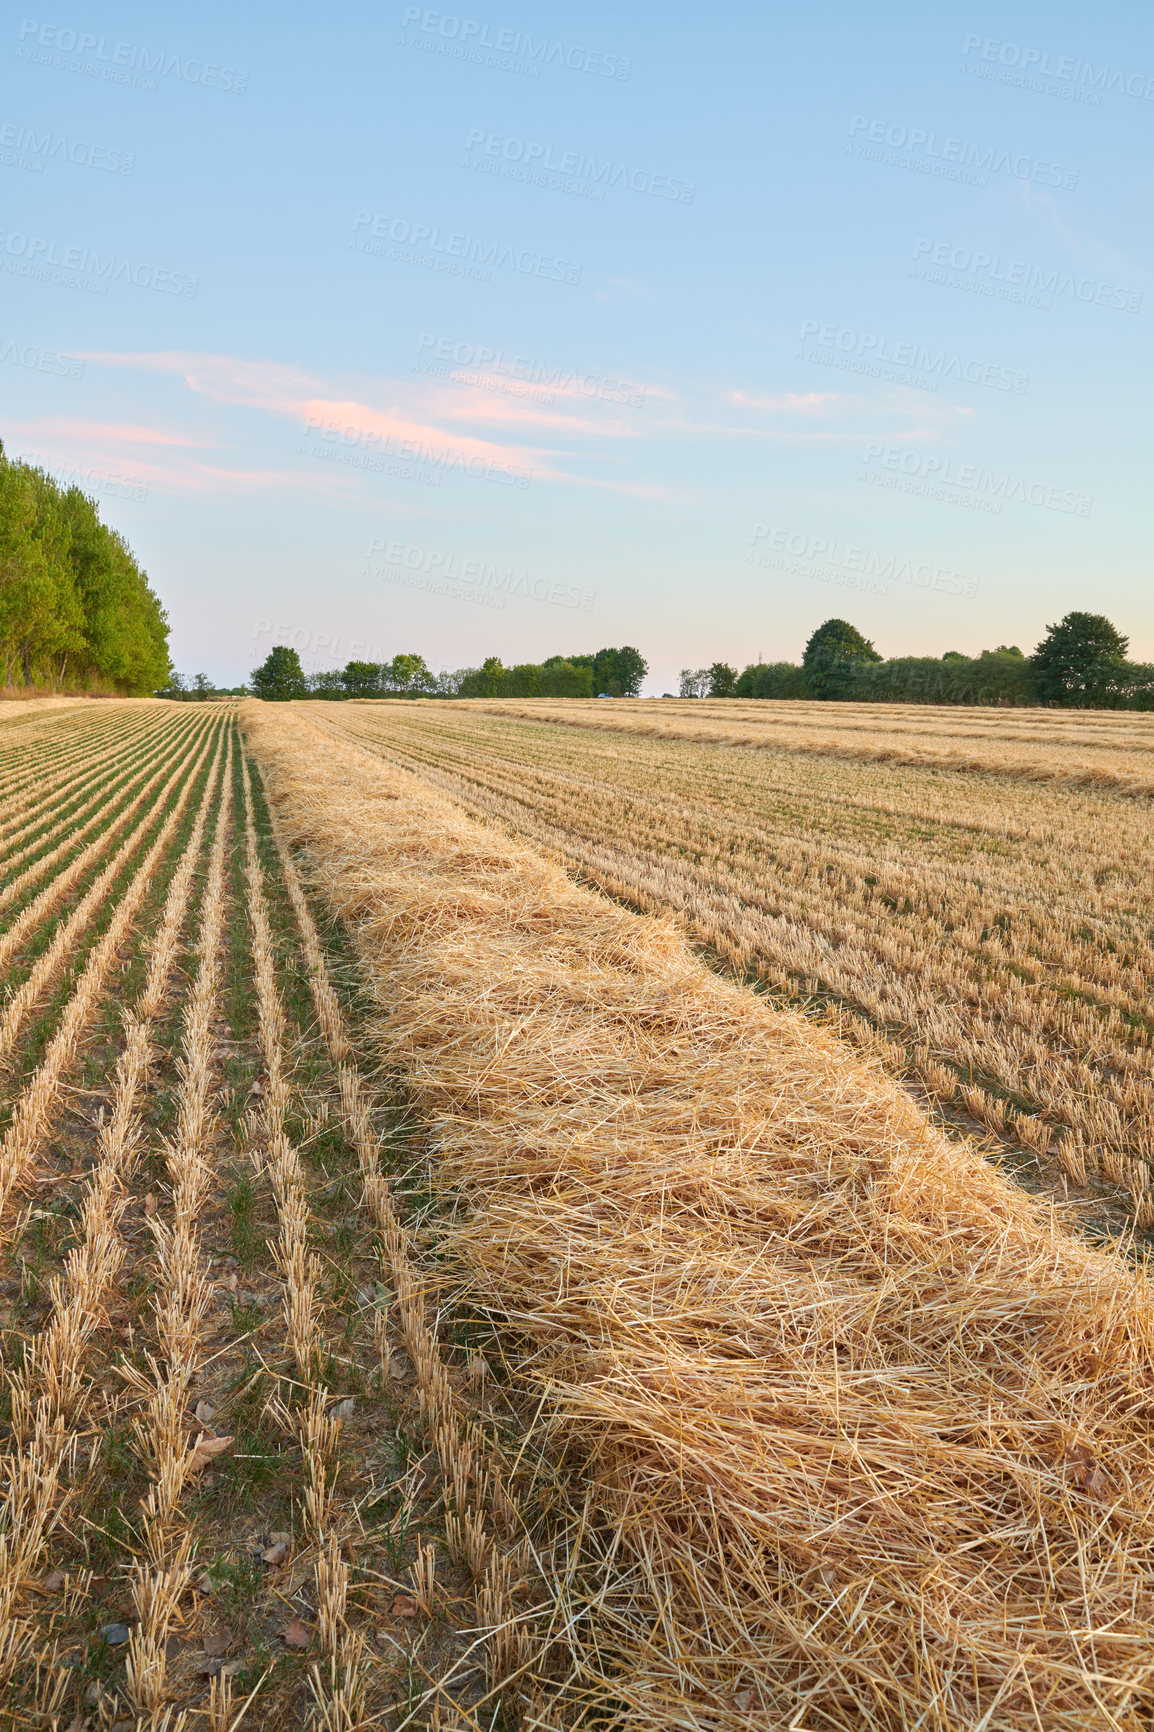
column 529, row 329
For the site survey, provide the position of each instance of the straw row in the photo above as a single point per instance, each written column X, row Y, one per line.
column 863, row 1432
column 767, row 727
column 995, row 935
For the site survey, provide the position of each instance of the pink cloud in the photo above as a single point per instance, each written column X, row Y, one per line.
column 811, row 403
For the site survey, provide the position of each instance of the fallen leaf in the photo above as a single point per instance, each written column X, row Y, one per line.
column 217, row 1642
column 205, row 1585
column 404, row 1606
column 231, row 1281
column 206, row 1450
column 54, row 1582
column 280, row 1539
column 343, row 1409
column 743, row 1699
column 150, row 1204
column 257, row 1088
column 297, row 1635
column 274, row 1555
column 205, row 1412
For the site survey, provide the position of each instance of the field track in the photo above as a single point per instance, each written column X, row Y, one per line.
column 434, row 1297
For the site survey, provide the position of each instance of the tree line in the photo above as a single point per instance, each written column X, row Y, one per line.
column 610, row 672
column 77, row 613
column 1081, row 661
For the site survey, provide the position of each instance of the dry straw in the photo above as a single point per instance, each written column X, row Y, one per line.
column 865, row 1434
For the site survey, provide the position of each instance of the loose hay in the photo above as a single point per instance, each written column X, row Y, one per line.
column 865, row 1433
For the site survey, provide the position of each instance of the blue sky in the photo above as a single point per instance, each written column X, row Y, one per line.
column 528, row 329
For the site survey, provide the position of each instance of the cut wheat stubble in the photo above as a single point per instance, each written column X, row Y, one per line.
column 50, row 783
column 64, row 939
column 475, row 1477
column 117, row 780
column 34, row 1108
column 864, row 1431
column 180, row 1308
column 49, row 1389
column 339, row 1690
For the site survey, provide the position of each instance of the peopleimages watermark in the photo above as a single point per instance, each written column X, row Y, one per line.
column 25, row 147
column 70, row 50
column 848, row 566
column 902, row 362
column 987, row 57
column 912, row 147
column 460, row 255
column 39, row 360
column 317, row 645
column 319, row 436
column 1028, row 285
column 479, row 575
column 73, row 267
column 518, row 375
column 505, row 50
column 985, row 489
column 110, row 482
column 569, row 171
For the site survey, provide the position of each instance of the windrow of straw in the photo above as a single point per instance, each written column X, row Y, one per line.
column 865, row 1435
column 1087, row 763
column 991, row 941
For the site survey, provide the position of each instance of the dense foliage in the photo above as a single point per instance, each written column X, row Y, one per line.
column 1081, row 661
column 76, row 610
column 615, row 672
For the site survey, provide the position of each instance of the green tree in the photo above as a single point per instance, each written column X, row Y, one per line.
column 1081, row 660
column 722, row 679
column 832, row 655
column 328, row 683
column 280, row 675
column 409, row 674
column 362, row 679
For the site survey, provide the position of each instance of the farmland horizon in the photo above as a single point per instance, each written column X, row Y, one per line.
column 520, row 335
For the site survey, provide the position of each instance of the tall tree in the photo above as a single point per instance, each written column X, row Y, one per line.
column 832, row 654
column 280, row 675
column 722, row 679
column 1081, row 660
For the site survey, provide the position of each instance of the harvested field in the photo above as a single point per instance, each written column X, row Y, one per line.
column 435, row 1297
column 987, row 933
column 839, row 1427
column 245, row 1479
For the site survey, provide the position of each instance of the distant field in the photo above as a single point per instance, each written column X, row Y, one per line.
column 972, row 887
column 435, row 1294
